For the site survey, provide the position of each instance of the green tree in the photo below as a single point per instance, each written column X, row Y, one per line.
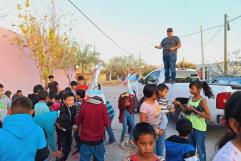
column 51, row 49
column 122, row 65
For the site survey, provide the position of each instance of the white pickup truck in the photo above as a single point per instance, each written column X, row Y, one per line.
column 180, row 90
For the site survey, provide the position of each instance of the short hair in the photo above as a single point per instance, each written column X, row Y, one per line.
column 37, row 88
column 143, row 128
column 42, row 94
column 67, row 89
column 1, row 86
column 81, row 78
column 149, row 90
column 8, row 93
column 67, row 95
column 21, row 105
column 51, row 76
column 184, row 127
column 81, row 93
column 56, row 97
column 162, row 87
column 73, row 83
column 19, row 91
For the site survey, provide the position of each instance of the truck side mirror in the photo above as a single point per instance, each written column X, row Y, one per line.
column 142, row 81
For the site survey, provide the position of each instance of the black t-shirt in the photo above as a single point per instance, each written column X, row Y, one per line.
column 53, row 88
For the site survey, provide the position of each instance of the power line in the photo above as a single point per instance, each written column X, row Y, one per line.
column 207, row 29
column 198, row 32
column 210, row 28
column 214, row 35
column 234, row 18
column 96, row 26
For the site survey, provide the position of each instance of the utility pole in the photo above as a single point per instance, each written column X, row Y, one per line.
column 225, row 45
column 202, row 52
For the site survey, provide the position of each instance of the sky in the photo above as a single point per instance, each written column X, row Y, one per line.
column 138, row 25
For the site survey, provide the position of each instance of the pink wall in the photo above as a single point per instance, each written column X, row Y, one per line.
column 62, row 79
column 17, row 68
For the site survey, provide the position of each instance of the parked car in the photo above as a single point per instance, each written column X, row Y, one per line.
column 180, row 90
column 227, row 81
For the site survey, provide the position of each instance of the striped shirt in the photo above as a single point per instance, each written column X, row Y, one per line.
column 110, row 109
column 163, row 102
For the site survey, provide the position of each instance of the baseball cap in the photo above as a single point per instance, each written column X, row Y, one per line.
column 169, row 30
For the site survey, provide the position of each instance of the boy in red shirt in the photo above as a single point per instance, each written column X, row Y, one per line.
column 92, row 121
column 81, row 84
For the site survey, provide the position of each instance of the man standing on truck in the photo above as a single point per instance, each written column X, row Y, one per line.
column 170, row 44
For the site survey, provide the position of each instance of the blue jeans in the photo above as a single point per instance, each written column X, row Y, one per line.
column 170, row 66
column 87, row 151
column 128, row 119
column 160, row 145
column 110, row 132
column 197, row 139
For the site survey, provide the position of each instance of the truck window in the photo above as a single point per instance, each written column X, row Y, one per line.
column 153, row 77
column 186, row 76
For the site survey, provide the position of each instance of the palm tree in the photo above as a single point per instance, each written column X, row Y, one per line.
column 87, row 59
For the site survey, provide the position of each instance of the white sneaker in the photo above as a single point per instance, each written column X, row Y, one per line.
column 122, row 145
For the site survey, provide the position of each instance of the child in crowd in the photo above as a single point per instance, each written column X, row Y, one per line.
column 197, row 112
column 21, row 138
column 17, row 94
column 34, row 96
column 150, row 112
column 41, row 106
column 92, row 121
column 80, row 98
column 81, row 84
column 230, row 145
column 65, row 124
column 8, row 93
column 162, row 93
column 144, row 139
column 73, row 85
column 111, row 114
column 56, row 103
column 5, row 104
column 178, row 148
column 126, row 117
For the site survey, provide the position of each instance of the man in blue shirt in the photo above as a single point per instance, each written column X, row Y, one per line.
column 170, row 44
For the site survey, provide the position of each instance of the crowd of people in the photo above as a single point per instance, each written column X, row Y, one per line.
column 48, row 120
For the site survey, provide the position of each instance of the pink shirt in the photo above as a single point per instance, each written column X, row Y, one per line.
column 153, row 113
